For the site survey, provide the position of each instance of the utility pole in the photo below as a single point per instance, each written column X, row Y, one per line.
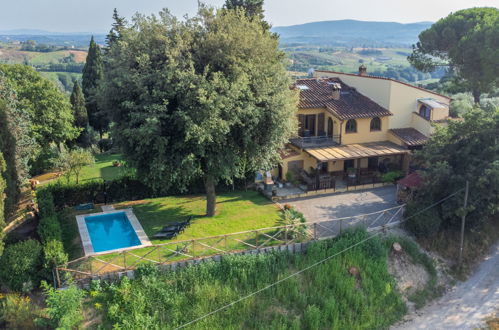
column 463, row 220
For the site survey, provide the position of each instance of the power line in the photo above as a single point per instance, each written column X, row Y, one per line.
column 308, row 267
column 275, row 283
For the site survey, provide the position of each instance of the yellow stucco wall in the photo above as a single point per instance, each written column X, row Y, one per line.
column 421, row 124
column 398, row 98
column 364, row 134
column 316, row 111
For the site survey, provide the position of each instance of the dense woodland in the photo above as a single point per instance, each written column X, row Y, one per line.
column 205, row 101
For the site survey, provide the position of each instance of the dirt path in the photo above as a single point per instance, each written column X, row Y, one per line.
column 467, row 305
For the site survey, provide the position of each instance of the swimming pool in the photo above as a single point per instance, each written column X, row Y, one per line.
column 110, row 231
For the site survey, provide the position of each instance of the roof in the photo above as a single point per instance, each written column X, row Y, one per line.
column 410, row 136
column 412, row 180
column 434, row 104
column 318, row 93
column 354, row 151
column 385, row 78
column 288, row 153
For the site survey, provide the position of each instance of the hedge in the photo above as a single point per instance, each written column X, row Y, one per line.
column 49, row 229
column 126, row 188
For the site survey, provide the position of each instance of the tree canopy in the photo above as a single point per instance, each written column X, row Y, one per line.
column 468, row 41
column 48, row 108
column 3, row 186
column 208, row 97
column 16, row 142
column 464, row 151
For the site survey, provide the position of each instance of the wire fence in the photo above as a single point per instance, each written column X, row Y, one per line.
column 88, row 267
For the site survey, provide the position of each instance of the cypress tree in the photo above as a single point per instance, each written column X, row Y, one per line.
column 77, row 100
column 92, row 73
column 80, row 114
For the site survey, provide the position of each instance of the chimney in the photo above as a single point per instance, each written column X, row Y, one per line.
column 362, row 70
column 336, row 90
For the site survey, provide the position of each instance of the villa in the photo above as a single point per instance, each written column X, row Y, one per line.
column 354, row 127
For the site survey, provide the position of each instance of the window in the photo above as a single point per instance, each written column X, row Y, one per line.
column 376, row 124
column 351, row 126
column 425, row 112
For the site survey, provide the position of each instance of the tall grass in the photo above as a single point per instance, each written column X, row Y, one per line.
column 325, row 296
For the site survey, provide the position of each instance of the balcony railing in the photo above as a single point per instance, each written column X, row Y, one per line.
column 316, row 141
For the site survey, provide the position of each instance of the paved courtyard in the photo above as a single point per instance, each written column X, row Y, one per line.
column 349, row 204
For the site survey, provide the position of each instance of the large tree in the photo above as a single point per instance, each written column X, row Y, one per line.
column 207, row 97
column 468, row 41
column 92, row 74
column 48, row 108
column 464, row 151
column 16, row 142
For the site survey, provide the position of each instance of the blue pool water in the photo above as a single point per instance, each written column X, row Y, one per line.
column 111, row 231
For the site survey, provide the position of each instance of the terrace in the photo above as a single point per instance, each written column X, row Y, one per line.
column 316, row 141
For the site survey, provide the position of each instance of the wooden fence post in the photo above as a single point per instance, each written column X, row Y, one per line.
column 124, row 260
column 225, row 243
column 193, row 251
column 256, row 238
column 315, row 230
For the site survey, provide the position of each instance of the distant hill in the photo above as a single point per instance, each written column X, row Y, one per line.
column 76, row 39
column 352, row 33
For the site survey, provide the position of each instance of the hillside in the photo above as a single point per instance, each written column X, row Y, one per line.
column 352, row 33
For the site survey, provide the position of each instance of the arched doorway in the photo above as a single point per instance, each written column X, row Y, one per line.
column 330, row 127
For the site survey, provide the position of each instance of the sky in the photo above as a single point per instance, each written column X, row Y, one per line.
column 95, row 15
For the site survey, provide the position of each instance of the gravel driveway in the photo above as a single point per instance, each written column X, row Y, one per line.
column 467, row 305
column 324, row 208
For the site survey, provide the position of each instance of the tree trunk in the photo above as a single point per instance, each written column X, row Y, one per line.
column 211, row 197
column 476, row 96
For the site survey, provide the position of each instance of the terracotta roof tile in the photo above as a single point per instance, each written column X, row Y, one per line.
column 318, row 93
column 410, row 136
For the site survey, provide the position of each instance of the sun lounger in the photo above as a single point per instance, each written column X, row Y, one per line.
column 165, row 235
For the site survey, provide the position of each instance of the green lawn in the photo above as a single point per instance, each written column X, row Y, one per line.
column 102, row 169
column 236, row 212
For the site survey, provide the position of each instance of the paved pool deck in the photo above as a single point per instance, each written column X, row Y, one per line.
column 85, row 236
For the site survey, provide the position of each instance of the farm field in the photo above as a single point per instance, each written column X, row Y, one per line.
column 346, row 60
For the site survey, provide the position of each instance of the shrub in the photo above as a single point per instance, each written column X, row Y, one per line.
column 293, row 217
column 392, row 176
column 49, row 229
column 21, row 263
column 45, row 202
column 63, row 307
column 146, row 270
column 18, row 312
column 425, row 224
column 54, row 254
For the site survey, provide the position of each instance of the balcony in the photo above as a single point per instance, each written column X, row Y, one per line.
column 316, row 141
